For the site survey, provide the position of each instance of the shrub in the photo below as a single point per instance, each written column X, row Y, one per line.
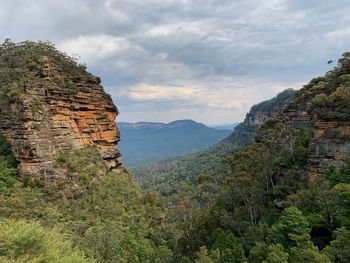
column 22, row 241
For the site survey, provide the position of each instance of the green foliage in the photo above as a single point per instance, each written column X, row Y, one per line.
column 229, row 247
column 115, row 222
column 83, row 164
column 339, row 176
column 8, row 174
column 301, row 145
column 22, row 241
column 21, row 63
column 202, row 256
column 276, row 254
column 259, row 252
column 8, row 165
column 342, row 192
column 319, row 100
column 110, row 220
column 291, row 229
column 6, row 152
column 339, row 248
column 307, row 254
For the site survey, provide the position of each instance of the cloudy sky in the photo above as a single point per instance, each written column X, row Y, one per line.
column 179, row 59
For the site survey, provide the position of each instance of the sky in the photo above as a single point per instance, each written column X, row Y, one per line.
column 163, row 60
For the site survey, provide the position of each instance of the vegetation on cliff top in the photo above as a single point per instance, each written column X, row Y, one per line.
column 330, row 94
column 23, row 62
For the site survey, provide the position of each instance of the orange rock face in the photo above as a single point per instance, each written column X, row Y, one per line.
column 50, row 118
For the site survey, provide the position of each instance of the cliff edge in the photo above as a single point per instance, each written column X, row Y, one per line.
column 50, row 104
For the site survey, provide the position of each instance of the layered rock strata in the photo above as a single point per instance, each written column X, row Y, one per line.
column 66, row 114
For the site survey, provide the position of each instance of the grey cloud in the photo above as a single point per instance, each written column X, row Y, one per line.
column 219, row 46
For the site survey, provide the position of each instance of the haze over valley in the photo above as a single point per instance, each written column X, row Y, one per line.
column 146, row 142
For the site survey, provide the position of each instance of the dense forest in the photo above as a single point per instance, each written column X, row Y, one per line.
column 266, row 206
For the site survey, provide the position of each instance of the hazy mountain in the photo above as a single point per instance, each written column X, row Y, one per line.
column 144, row 142
column 228, row 126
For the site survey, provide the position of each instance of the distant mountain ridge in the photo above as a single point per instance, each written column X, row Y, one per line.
column 230, row 127
column 145, row 142
column 160, row 125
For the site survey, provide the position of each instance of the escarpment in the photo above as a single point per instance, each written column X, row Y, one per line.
column 258, row 115
column 49, row 105
column 323, row 108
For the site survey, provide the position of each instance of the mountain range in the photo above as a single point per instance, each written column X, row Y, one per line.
column 145, row 142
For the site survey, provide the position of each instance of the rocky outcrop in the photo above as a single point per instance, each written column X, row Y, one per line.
column 322, row 107
column 59, row 113
column 330, row 144
column 259, row 114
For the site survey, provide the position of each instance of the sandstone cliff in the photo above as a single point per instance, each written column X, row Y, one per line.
column 50, row 104
column 259, row 114
column 322, row 107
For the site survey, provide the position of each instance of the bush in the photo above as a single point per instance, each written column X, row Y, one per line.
column 8, row 164
column 83, row 164
column 319, row 100
column 22, row 241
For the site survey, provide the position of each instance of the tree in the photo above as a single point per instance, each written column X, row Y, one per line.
column 202, row 256
column 229, row 247
column 342, row 192
column 291, row 229
column 309, row 253
column 339, row 249
column 276, row 254
column 259, row 252
column 293, row 232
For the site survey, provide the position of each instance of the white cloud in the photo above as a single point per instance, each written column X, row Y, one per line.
column 212, row 94
column 145, row 92
column 92, row 48
column 342, row 33
column 193, row 27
